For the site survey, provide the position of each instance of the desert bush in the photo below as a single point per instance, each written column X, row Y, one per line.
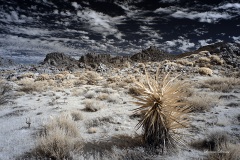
column 92, row 105
column 223, row 84
column 90, row 94
column 42, row 77
column 91, row 77
column 183, row 62
column 202, row 102
column 162, row 110
column 204, row 60
column 230, row 153
column 134, row 91
column 28, row 75
column 77, row 115
column 5, row 90
column 215, row 141
column 114, row 98
column 78, row 91
column 216, row 60
column 103, row 96
column 205, row 71
column 58, row 139
column 29, row 86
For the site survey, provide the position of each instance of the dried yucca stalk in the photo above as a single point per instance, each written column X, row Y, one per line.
column 163, row 110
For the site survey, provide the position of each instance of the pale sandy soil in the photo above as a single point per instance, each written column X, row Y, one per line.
column 113, row 118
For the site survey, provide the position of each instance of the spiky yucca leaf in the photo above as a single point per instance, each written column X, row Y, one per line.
column 162, row 109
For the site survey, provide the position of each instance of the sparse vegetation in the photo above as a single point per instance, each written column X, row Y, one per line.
column 77, row 115
column 202, row 102
column 205, row 71
column 215, row 141
column 222, row 84
column 162, row 110
column 92, row 105
column 58, row 139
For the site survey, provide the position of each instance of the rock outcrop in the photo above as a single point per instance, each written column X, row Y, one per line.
column 151, row 54
column 94, row 60
column 60, row 60
column 230, row 52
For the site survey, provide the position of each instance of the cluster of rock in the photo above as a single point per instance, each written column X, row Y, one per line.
column 101, row 61
column 230, row 52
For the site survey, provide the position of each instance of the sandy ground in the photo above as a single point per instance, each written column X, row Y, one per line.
column 114, row 117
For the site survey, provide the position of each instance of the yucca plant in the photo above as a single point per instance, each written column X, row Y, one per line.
column 162, row 110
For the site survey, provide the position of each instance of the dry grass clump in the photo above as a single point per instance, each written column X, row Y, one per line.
column 230, row 153
column 58, row 139
column 205, row 71
column 202, row 102
column 78, row 91
column 92, row 130
column 114, row 98
column 92, row 105
column 5, row 90
column 214, row 142
column 42, row 77
column 28, row 75
column 184, row 62
column 90, row 94
column 223, row 84
column 77, row 115
column 91, row 77
column 29, row 86
column 162, row 110
column 102, row 96
column 134, row 91
column 216, row 60
column 204, row 60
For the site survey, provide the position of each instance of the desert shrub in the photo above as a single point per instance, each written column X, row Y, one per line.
column 78, row 91
column 114, row 98
column 183, row 62
column 92, row 105
column 216, row 60
column 77, row 115
column 205, row 71
column 28, row 75
column 202, row 102
column 58, row 139
column 92, row 130
column 5, row 90
column 90, row 94
column 133, row 91
column 29, row 86
column 223, row 84
column 91, row 77
column 103, row 96
column 215, row 141
column 230, row 153
column 162, row 110
column 42, row 77
column 204, row 60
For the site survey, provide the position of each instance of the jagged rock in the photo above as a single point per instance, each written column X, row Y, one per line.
column 151, row 54
column 60, row 60
column 94, row 60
